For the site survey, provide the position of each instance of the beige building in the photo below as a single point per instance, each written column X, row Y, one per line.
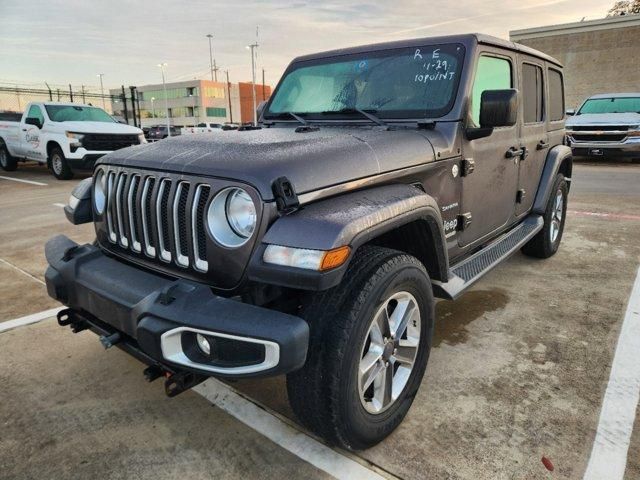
column 599, row 56
column 191, row 102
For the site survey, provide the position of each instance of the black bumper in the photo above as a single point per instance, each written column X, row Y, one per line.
column 605, row 152
column 142, row 307
column 85, row 163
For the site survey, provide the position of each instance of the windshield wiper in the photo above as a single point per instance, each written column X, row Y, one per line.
column 370, row 115
column 298, row 118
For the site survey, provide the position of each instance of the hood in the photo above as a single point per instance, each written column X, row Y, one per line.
column 604, row 119
column 97, row 127
column 310, row 160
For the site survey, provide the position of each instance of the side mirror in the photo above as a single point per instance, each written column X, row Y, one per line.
column 260, row 109
column 498, row 108
column 33, row 121
column 570, row 112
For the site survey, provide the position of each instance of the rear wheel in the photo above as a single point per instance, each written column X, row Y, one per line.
column 7, row 162
column 370, row 342
column 547, row 240
column 59, row 165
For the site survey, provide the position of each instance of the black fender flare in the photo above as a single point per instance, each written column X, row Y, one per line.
column 351, row 219
column 559, row 159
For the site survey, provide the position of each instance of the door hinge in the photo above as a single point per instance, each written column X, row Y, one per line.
column 520, row 195
column 464, row 220
column 468, row 166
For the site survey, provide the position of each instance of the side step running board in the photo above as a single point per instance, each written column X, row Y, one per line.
column 464, row 274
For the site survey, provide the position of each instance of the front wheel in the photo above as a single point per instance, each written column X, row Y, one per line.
column 7, row 162
column 547, row 240
column 370, row 342
column 59, row 165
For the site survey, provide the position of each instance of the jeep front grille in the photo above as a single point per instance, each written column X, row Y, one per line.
column 158, row 216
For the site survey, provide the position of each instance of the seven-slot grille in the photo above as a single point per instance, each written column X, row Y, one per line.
column 159, row 217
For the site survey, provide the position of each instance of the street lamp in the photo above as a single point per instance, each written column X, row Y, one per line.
column 153, row 108
column 252, row 47
column 166, row 101
column 212, row 62
column 102, row 90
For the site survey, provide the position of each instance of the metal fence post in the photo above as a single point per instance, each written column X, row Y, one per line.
column 124, row 105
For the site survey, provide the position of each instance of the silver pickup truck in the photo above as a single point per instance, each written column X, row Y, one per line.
column 606, row 125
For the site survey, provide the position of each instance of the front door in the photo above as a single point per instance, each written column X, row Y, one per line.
column 30, row 136
column 533, row 133
column 489, row 192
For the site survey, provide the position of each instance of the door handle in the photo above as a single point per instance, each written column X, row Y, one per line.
column 24, row 129
column 542, row 145
column 513, row 152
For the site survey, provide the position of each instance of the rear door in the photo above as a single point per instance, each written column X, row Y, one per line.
column 488, row 194
column 533, row 131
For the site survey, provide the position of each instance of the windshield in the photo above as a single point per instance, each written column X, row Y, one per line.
column 415, row 82
column 611, row 105
column 72, row 113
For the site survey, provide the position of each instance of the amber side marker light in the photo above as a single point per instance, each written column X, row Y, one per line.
column 334, row 258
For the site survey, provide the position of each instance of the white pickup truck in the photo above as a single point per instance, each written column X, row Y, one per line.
column 64, row 136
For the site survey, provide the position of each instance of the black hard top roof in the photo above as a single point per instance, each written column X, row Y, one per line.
column 465, row 39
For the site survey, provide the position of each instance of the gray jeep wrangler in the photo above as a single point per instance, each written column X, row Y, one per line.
column 313, row 244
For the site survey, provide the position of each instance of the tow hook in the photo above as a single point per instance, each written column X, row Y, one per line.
column 179, row 382
column 67, row 317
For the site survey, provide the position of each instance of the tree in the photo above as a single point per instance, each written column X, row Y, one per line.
column 624, row 7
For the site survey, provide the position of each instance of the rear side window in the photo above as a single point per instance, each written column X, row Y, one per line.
column 492, row 73
column 532, row 93
column 556, row 95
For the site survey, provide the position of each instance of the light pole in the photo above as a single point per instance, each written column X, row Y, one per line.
column 153, row 108
column 166, row 100
column 252, row 47
column 212, row 62
column 102, row 90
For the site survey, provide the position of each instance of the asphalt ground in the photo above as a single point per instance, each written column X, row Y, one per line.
column 518, row 369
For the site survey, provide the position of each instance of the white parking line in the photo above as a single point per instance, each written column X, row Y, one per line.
column 28, row 320
column 61, row 205
column 284, row 435
column 30, row 182
column 610, row 447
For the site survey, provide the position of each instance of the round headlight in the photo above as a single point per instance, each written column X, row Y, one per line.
column 99, row 189
column 232, row 217
column 241, row 213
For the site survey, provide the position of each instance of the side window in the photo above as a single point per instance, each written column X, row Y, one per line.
column 492, row 73
column 35, row 112
column 532, row 93
column 556, row 95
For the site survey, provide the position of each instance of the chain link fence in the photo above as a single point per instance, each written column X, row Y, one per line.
column 125, row 109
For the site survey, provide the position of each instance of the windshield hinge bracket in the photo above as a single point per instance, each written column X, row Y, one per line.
column 285, row 195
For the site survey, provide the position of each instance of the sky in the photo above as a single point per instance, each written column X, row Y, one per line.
column 62, row 42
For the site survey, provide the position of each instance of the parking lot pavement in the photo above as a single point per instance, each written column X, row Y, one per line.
column 518, row 369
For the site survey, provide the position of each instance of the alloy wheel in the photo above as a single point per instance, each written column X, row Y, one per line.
column 389, row 352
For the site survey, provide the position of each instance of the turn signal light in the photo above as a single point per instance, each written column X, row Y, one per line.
column 334, row 258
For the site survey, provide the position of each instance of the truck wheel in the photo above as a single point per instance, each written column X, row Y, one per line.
column 59, row 165
column 547, row 241
column 369, row 346
column 7, row 162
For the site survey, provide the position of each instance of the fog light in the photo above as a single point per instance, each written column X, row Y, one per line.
column 204, row 344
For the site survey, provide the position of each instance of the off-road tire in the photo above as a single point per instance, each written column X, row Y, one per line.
column 7, row 162
column 324, row 393
column 542, row 245
column 59, row 165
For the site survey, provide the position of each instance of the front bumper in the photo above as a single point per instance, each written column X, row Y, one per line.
column 157, row 318
column 627, row 148
column 86, row 162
